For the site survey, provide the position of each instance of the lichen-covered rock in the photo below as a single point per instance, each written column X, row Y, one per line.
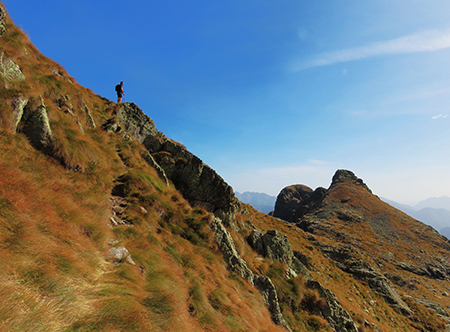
column 333, row 312
column 2, row 21
column 237, row 264
column 277, row 247
column 90, row 120
column 9, row 70
column 120, row 255
column 18, row 106
column 226, row 245
column 37, row 127
column 267, row 289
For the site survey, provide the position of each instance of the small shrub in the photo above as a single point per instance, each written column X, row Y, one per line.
column 312, row 302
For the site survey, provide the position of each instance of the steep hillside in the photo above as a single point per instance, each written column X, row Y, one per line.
column 401, row 259
column 108, row 225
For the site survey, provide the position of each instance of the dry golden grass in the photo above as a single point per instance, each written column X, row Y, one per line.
column 55, row 234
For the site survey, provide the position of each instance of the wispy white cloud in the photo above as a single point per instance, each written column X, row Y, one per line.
column 442, row 116
column 425, row 41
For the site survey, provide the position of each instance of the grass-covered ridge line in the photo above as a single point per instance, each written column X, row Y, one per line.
column 63, row 210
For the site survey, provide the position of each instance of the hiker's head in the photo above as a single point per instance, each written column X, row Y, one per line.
column 121, row 83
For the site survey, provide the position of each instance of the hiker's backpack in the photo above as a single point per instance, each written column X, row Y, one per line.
column 118, row 88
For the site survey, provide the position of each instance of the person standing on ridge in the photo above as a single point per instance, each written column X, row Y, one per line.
column 120, row 92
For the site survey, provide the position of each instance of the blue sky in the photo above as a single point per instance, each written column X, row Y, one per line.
column 273, row 93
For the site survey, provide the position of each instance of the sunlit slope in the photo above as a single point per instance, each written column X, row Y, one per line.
column 105, row 226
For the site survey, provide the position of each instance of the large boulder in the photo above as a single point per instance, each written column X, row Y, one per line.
column 295, row 201
column 36, row 126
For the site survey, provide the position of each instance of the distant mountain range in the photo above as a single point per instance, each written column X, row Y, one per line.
column 260, row 201
column 433, row 211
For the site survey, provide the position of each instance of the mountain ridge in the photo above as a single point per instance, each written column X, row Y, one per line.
column 108, row 225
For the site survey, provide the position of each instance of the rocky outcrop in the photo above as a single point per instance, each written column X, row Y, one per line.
column 433, row 271
column 349, row 177
column 2, row 21
column 238, row 265
column 198, row 182
column 89, row 119
column 9, row 70
column 151, row 161
column 431, row 305
column 268, row 291
column 333, row 311
column 345, row 259
column 226, row 245
column 37, row 127
column 277, row 247
column 65, row 104
column 295, row 201
column 18, row 106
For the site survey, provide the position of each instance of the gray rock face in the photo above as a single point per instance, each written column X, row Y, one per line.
column 432, row 305
column 9, row 70
column 18, row 106
column 267, row 289
column 2, row 21
column 295, row 201
column 342, row 175
column 37, row 128
column 198, row 182
column 226, row 245
column 90, row 120
column 433, row 271
column 277, row 247
column 333, row 312
column 120, row 255
column 238, row 265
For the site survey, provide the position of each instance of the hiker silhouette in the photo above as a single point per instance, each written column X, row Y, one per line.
column 120, row 92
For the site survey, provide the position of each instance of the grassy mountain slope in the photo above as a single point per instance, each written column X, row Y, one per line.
column 93, row 238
